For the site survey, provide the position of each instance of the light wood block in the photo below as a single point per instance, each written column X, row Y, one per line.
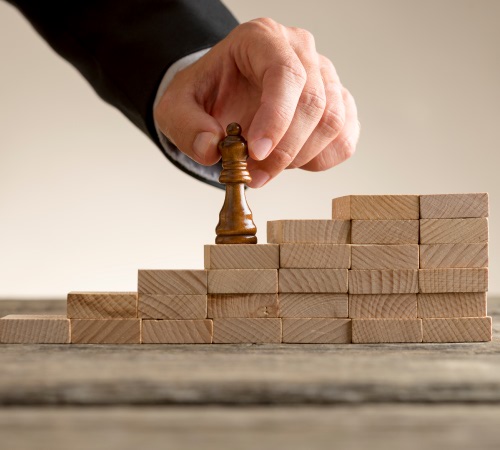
column 309, row 231
column 383, row 306
column 242, row 305
column 105, row 331
column 317, row 331
column 313, row 305
column 453, row 280
column 313, row 280
column 460, row 304
column 377, row 331
column 177, row 331
column 453, row 231
column 247, row 331
column 402, row 281
column 243, row 281
column 315, row 256
column 176, row 307
column 454, row 206
column 230, row 256
column 34, row 329
column 469, row 329
column 384, row 257
column 384, row 232
column 448, row 256
column 172, row 282
column 102, row 305
column 376, row 207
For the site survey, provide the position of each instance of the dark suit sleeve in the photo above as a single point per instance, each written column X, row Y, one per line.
column 124, row 47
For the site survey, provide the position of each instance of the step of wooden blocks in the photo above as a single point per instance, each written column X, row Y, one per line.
column 384, row 257
column 383, row 306
column 313, row 280
column 230, row 256
column 105, row 331
column 449, row 256
column 469, row 329
column 453, row 231
column 315, row 256
column 34, row 329
column 449, row 304
column 378, row 331
column 102, row 305
column 243, row 281
column 242, row 305
column 317, row 331
column 175, row 307
column 309, row 231
column 313, row 305
column 376, row 207
column 385, row 232
column 177, row 331
column 453, row 280
column 172, row 282
column 247, row 331
column 454, row 206
column 402, row 281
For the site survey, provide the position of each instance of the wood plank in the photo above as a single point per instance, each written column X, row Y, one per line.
column 105, row 331
column 243, row 281
column 454, row 206
column 309, row 231
column 317, row 331
column 376, row 207
column 242, row 305
column 384, row 257
column 313, row 305
column 468, row 329
column 460, row 304
column 315, row 256
column 313, row 280
column 102, row 305
column 176, row 307
column 453, row 280
column 383, row 306
column 230, row 256
column 449, row 256
column 177, row 331
column 375, row 331
column 402, row 281
column 385, row 232
column 247, row 330
column 172, row 282
column 453, row 231
column 34, row 329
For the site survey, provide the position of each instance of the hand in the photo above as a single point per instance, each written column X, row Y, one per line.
column 269, row 78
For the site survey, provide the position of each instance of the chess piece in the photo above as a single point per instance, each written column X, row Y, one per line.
column 235, row 219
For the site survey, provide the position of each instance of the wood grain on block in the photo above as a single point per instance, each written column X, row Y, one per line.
column 189, row 282
column 317, row 331
column 453, row 231
column 449, row 304
column 34, row 329
column 435, row 256
column 313, row 305
column 242, row 305
column 105, row 331
column 378, row 331
column 313, row 280
column 467, row 329
column 384, row 232
column 309, row 231
column 314, row 256
column 399, row 281
column 177, row 331
column 454, row 206
column 453, row 280
column 383, row 306
column 384, row 257
column 376, row 207
column 243, row 281
column 102, row 305
column 247, row 331
column 163, row 306
column 244, row 256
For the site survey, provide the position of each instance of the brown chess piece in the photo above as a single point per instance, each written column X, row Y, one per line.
column 235, row 219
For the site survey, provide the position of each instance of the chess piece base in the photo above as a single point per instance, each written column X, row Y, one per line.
column 237, row 239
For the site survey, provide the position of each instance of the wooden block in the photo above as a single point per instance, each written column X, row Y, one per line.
column 309, row 231
column 459, row 304
column 243, row 281
column 377, row 331
column 469, row 329
column 163, row 306
column 451, row 231
column 247, row 331
column 315, row 256
column 376, row 207
column 313, row 305
column 384, row 257
column 313, row 280
column 177, row 331
column 189, row 282
column 453, row 280
column 384, row 232
column 105, row 331
column 34, row 329
column 102, row 305
column 402, row 281
column 316, row 331
column 383, row 306
column 230, row 256
column 454, row 206
column 242, row 305
column 448, row 256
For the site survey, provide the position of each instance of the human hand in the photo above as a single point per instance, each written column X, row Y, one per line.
column 269, row 78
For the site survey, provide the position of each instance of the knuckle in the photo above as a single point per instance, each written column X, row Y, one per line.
column 315, row 101
column 331, row 124
column 262, row 25
column 305, row 36
column 281, row 158
column 291, row 71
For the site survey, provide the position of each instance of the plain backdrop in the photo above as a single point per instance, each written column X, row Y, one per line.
column 86, row 199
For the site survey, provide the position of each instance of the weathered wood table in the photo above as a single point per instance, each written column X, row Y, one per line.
column 410, row 396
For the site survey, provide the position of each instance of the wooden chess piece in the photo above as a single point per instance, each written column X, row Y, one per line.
column 235, row 219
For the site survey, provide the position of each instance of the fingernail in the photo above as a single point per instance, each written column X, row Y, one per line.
column 202, row 143
column 259, row 178
column 261, row 148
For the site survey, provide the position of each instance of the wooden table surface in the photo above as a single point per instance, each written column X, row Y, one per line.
column 248, row 396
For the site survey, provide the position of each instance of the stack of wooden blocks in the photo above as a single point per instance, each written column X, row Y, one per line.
column 384, row 269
